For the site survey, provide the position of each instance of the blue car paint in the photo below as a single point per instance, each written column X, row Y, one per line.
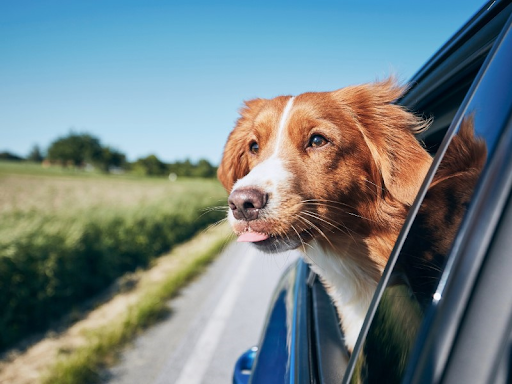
column 279, row 355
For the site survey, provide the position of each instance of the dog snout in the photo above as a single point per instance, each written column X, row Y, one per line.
column 246, row 203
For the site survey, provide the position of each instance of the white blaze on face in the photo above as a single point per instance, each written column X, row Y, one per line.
column 270, row 174
column 282, row 126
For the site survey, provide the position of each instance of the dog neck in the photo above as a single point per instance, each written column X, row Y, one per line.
column 350, row 268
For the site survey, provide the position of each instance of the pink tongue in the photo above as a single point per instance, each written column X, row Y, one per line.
column 252, row 237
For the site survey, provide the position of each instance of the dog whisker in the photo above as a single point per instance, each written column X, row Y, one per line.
column 328, row 201
column 318, row 229
column 214, row 209
column 378, row 186
column 340, row 209
column 361, row 217
column 214, row 225
column 318, row 217
column 283, row 233
column 300, row 238
column 345, row 229
column 229, row 239
column 320, row 226
column 304, row 244
column 372, row 190
column 222, row 208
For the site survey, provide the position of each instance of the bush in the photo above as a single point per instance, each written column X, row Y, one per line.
column 50, row 264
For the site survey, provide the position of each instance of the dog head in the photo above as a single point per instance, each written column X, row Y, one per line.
column 320, row 165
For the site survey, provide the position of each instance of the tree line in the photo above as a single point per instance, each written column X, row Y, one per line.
column 82, row 151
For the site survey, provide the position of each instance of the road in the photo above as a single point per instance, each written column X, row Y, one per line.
column 212, row 321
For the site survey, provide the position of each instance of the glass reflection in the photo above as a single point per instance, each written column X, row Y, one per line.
column 416, row 274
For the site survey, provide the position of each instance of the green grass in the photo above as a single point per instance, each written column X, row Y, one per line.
column 64, row 238
column 30, row 168
column 84, row 364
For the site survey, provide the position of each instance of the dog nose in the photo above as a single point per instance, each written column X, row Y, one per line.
column 246, row 203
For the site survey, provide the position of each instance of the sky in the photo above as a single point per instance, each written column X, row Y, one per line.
column 168, row 77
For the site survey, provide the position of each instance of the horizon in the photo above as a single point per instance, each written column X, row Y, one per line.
column 168, row 78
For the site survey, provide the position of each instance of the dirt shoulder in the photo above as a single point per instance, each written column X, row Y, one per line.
column 31, row 365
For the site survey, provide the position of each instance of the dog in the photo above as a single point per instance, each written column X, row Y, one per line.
column 330, row 173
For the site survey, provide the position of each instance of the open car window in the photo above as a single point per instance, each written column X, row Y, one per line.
column 469, row 98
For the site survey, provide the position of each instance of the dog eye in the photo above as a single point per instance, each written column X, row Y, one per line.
column 317, row 141
column 254, row 147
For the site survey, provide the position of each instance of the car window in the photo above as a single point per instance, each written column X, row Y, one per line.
column 412, row 279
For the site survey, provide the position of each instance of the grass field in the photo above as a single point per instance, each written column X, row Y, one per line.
column 65, row 235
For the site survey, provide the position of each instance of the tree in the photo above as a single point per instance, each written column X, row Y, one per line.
column 112, row 158
column 151, row 166
column 76, row 149
column 188, row 169
column 204, row 169
column 35, row 155
column 185, row 168
column 10, row 156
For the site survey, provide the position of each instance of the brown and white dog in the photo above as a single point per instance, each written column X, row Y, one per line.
column 332, row 173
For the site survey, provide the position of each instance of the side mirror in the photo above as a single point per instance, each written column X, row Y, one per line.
column 243, row 366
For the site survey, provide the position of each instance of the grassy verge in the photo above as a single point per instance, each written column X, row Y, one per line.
column 84, row 364
column 64, row 239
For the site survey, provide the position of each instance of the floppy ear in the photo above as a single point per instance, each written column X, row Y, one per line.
column 405, row 165
column 388, row 130
column 234, row 164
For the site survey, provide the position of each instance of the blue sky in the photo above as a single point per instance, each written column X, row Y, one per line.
column 168, row 77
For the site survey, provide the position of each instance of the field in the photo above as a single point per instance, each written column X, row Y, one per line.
column 65, row 235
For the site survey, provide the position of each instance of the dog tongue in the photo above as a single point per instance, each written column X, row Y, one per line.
column 252, row 237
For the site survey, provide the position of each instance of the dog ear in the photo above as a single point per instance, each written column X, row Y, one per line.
column 405, row 164
column 388, row 130
column 234, row 164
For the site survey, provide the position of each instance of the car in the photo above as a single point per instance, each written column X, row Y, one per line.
column 442, row 312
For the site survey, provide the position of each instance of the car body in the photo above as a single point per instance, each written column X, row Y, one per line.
column 457, row 326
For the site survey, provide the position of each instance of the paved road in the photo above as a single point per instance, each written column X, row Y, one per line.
column 212, row 322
